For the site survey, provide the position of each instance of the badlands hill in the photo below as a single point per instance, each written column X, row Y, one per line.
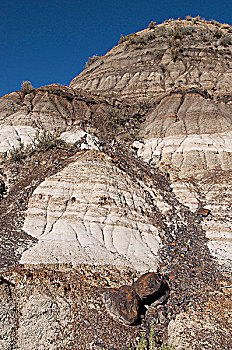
column 126, row 170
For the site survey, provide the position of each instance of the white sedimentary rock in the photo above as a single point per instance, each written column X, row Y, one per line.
column 12, row 136
column 91, row 212
column 74, row 136
column 185, row 153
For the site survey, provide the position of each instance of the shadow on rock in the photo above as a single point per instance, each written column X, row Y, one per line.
column 127, row 303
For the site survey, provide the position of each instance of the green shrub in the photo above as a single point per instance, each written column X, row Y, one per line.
column 188, row 18
column 178, row 32
column 17, row 153
column 44, row 140
column 144, row 343
column 127, row 37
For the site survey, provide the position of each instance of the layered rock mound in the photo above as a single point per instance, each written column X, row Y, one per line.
column 172, row 55
column 92, row 213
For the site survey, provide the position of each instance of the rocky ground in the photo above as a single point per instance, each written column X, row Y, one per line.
column 98, row 188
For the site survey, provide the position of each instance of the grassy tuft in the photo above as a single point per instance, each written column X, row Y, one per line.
column 148, row 343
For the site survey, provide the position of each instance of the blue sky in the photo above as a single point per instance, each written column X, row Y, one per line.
column 46, row 41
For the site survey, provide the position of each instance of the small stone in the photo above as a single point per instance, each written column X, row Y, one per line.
column 148, row 285
column 203, row 211
column 122, row 303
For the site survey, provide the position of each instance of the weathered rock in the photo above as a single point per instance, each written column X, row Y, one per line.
column 49, row 108
column 187, row 133
column 173, row 97
column 13, row 136
column 122, row 303
column 38, row 311
column 158, row 62
column 8, row 323
column 213, row 191
column 91, row 212
column 203, row 211
column 148, row 285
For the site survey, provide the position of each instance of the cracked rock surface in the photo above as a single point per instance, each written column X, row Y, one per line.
column 90, row 212
column 159, row 62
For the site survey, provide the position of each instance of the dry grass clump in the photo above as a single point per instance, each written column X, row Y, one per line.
column 91, row 60
column 152, row 25
column 44, row 140
column 149, row 343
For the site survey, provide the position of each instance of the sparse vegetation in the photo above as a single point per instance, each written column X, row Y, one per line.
column 148, row 343
column 188, row 18
column 178, row 32
column 44, row 140
column 152, row 25
column 26, row 86
column 91, row 60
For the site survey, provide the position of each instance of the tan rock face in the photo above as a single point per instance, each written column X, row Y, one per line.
column 172, row 55
column 50, row 108
column 188, row 133
column 90, row 212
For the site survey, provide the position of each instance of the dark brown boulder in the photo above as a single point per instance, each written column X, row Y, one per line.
column 148, row 285
column 122, row 303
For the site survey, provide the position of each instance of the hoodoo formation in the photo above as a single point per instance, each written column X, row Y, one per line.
column 115, row 198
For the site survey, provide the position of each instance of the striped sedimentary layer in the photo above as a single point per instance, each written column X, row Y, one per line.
column 188, row 133
column 213, row 191
column 172, row 55
column 91, row 212
column 190, row 137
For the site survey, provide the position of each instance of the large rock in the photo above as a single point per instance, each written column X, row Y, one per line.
column 122, row 303
column 91, row 212
column 148, row 285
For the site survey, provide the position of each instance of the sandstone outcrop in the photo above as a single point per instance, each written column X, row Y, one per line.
column 50, row 108
column 173, row 55
column 90, row 212
column 188, row 133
